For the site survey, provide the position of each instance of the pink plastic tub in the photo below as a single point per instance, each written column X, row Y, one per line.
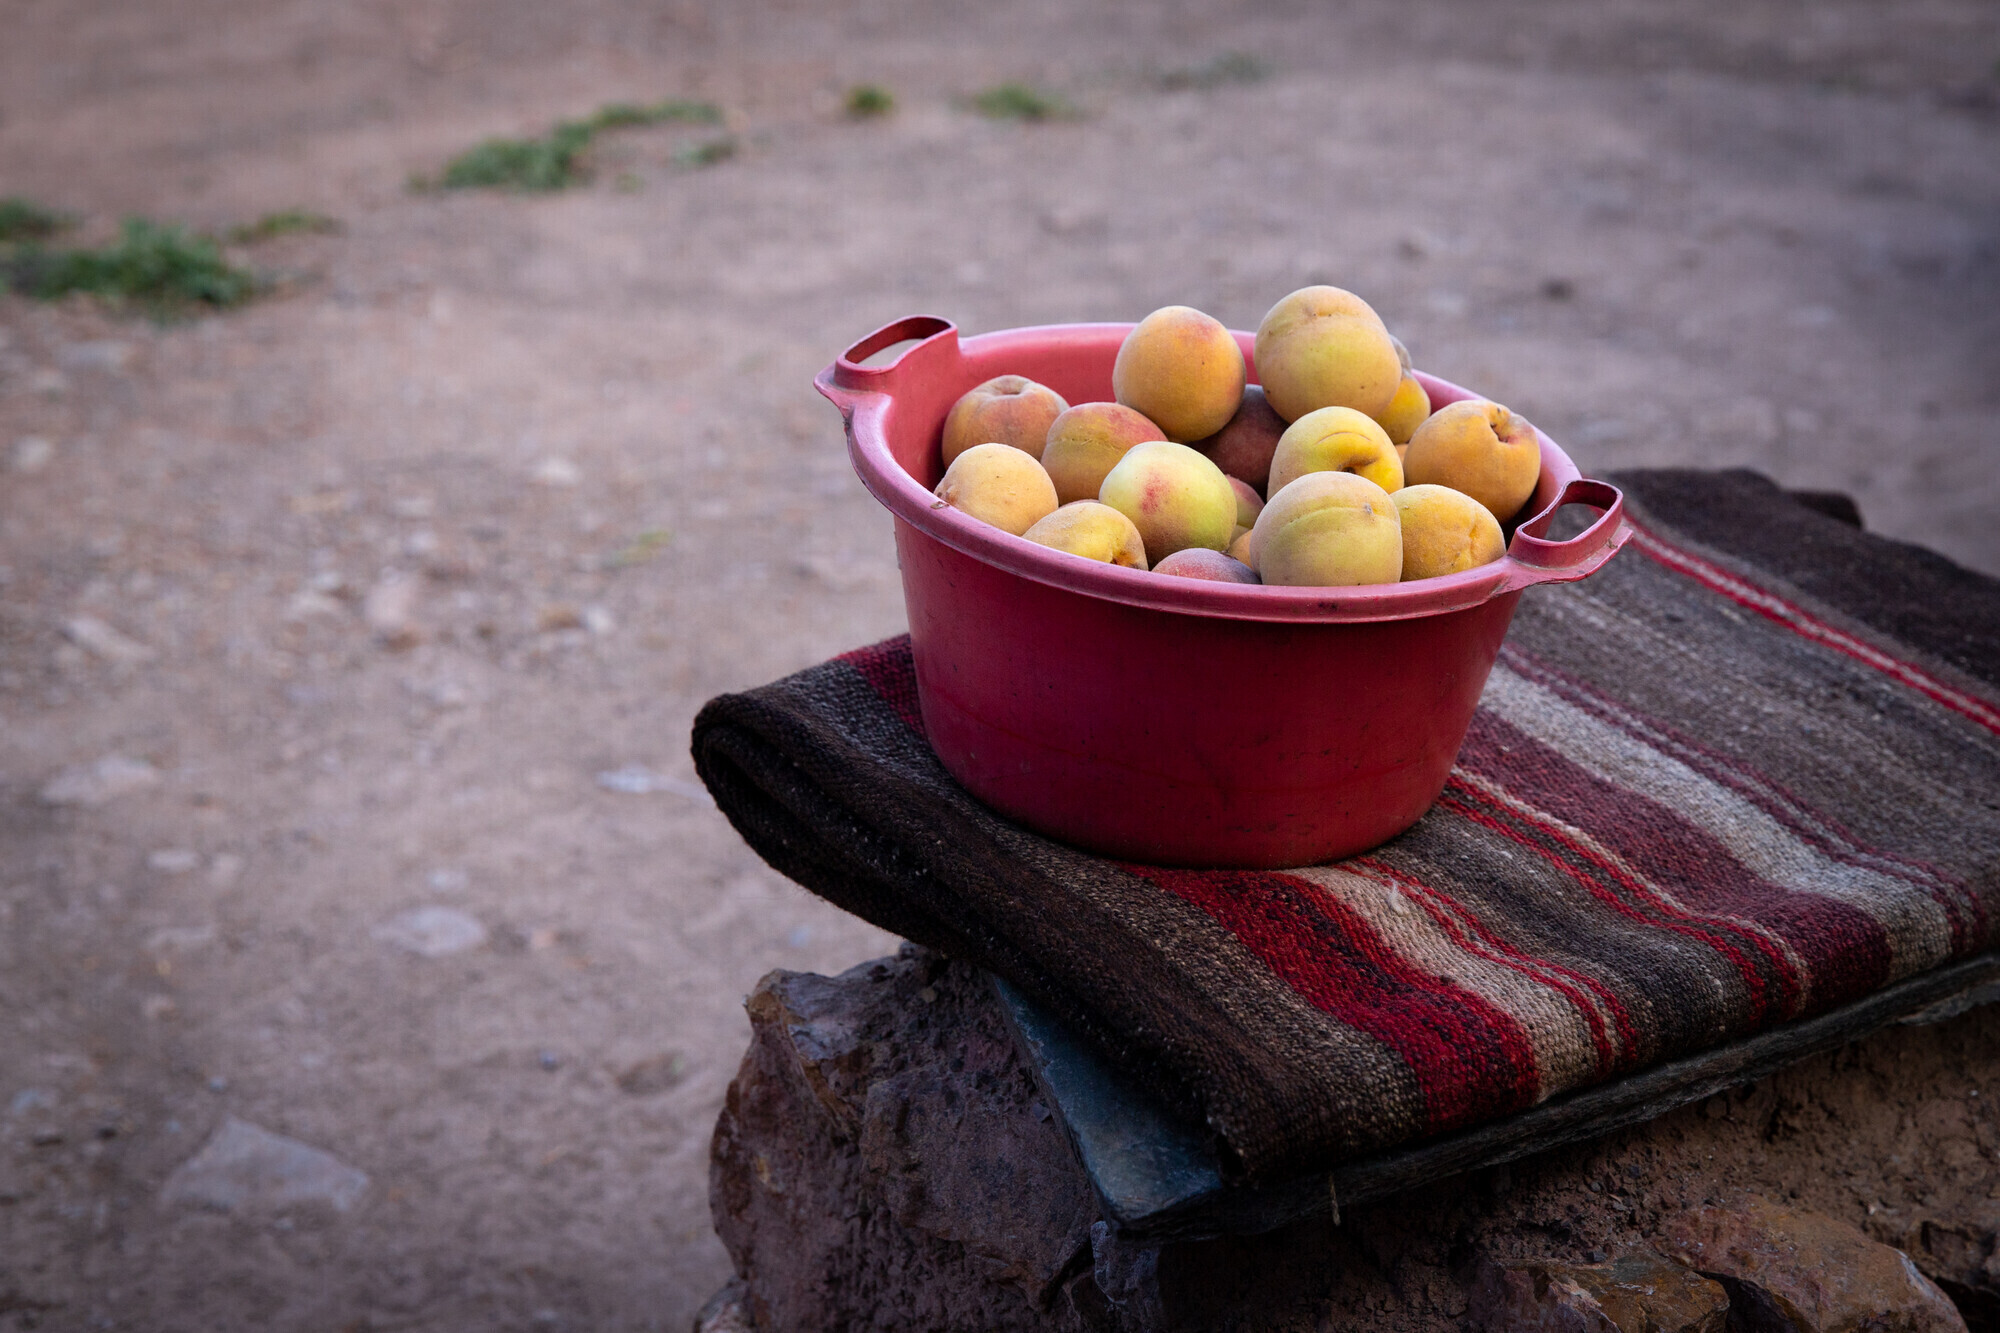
column 1169, row 720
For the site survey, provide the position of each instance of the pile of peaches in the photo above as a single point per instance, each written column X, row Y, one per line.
column 1334, row 472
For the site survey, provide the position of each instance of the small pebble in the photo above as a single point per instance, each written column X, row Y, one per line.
column 638, row 780
column 432, row 932
column 32, row 453
column 93, row 785
column 105, row 643
column 557, row 472
column 548, row 1060
column 173, row 860
column 245, row 1167
column 390, row 609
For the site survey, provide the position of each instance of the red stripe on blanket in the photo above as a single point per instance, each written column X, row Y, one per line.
column 1811, row 826
column 1606, row 883
column 1845, row 951
column 892, row 673
column 1801, row 622
column 1471, row 1059
column 1472, row 935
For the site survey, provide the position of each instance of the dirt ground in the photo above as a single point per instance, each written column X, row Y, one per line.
column 360, row 588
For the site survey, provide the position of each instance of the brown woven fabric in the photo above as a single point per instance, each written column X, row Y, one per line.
column 1747, row 773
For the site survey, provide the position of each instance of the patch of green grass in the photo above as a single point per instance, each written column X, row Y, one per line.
column 707, row 154
column 622, row 115
column 161, row 267
column 1020, row 101
column 25, row 220
column 526, row 165
column 1229, row 67
column 865, row 100
column 273, row 225
column 557, row 161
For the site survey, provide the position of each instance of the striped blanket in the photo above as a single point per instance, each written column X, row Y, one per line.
column 1748, row 773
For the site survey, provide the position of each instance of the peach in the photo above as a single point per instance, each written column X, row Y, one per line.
column 1176, row 497
column 1248, row 502
column 1243, row 547
column 1324, row 347
column 1182, row 370
column 1336, row 439
column 1198, row 562
column 1094, row 531
column 1406, row 411
column 1243, row 448
column 1087, row 441
column 1329, row 529
column 1445, row 531
column 1009, row 409
column 1479, row 448
column 998, row 484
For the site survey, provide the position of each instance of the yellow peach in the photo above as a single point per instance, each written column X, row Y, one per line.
column 1336, row 439
column 1243, row 547
column 1094, row 531
column 998, row 484
column 1182, row 370
column 1445, row 531
column 1243, row 447
column 1087, row 441
column 1324, row 347
column 1406, row 411
column 1176, row 497
column 1329, row 529
column 1479, row 448
column 1198, row 562
column 1248, row 502
column 1009, row 409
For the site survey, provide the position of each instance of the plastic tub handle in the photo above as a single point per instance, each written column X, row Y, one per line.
column 1531, row 548
column 928, row 331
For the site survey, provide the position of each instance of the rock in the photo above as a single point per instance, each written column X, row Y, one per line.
column 245, row 1168
column 1639, row 1292
column 655, row 1074
column 875, row 1164
column 179, row 939
column 556, row 617
column 173, row 860
column 32, row 453
column 1786, row 1267
column 105, row 643
column 557, row 472
column 309, row 604
column 638, row 780
column 724, row 1312
column 390, row 609
column 433, row 932
column 1960, row 1252
column 94, row 785
column 86, row 356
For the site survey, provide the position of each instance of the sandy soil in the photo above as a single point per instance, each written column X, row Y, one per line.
column 1678, row 234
